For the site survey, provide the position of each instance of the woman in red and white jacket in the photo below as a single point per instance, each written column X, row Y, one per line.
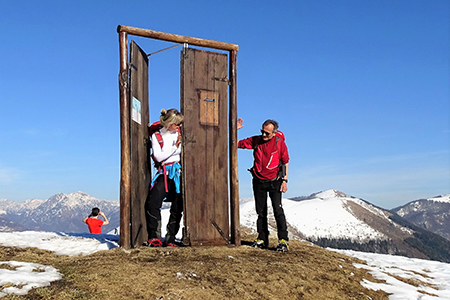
column 166, row 151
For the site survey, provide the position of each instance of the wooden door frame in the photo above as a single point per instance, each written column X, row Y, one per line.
column 124, row 102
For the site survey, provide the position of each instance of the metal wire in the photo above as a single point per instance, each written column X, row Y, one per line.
column 168, row 48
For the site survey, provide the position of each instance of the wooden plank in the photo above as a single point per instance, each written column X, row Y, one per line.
column 158, row 35
column 205, row 164
column 189, row 126
column 139, row 146
column 202, row 76
column 220, row 151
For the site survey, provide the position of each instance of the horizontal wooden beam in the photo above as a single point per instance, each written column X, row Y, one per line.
column 158, row 35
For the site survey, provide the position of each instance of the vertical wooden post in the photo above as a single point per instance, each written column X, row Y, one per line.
column 234, row 174
column 124, row 102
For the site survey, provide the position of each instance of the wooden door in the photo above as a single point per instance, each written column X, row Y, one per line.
column 140, row 169
column 205, row 158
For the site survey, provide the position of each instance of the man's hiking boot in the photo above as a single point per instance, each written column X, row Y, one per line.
column 153, row 243
column 171, row 245
column 259, row 244
column 283, row 246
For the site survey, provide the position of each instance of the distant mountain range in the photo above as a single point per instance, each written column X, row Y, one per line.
column 9, row 226
column 329, row 219
column 432, row 214
column 61, row 212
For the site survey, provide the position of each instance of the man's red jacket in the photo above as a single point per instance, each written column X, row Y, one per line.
column 267, row 155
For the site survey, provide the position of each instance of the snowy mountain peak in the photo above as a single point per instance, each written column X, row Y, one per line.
column 442, row 198
column 330, row 194
column 33, row 203
column 79, row 194
column 72, row 199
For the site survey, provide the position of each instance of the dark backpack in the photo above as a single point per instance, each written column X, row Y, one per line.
column 281, row 167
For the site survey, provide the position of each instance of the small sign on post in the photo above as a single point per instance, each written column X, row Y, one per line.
column 136, row 111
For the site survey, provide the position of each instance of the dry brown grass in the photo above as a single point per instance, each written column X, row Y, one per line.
column 412, row 281
column 305, row 272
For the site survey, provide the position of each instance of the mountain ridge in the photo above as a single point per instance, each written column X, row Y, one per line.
column 334, row 219
column 328, row 218
column 432, row 214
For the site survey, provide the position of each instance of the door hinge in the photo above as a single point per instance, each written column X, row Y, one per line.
column 223, row 79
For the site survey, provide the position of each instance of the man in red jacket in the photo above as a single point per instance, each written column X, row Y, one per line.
column 270, row 172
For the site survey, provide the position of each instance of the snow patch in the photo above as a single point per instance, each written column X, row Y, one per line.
column 444, row 199
column 321, row 215
column 327, row 218
column 25, row 276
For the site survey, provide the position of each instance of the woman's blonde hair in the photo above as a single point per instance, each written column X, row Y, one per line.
column 170, row 116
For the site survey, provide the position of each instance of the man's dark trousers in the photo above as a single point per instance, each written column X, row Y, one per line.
column 260, row 190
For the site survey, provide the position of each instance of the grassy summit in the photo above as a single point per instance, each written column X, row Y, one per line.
column 305, row 272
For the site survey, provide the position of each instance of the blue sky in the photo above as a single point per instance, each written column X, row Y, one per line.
column 360, row 88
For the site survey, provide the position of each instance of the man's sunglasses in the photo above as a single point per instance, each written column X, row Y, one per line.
column 265, row 132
